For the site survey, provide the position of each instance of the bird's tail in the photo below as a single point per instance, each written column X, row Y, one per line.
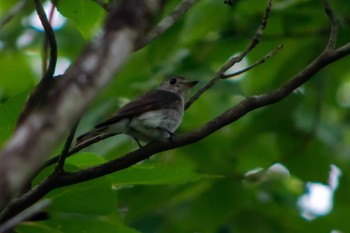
column 92, row 135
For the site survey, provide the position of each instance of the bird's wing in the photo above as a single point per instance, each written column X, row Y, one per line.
column 151, row 101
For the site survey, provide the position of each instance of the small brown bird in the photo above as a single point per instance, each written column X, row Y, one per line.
column 152, row 117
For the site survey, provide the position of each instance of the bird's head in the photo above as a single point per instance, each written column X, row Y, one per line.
column 177, row 85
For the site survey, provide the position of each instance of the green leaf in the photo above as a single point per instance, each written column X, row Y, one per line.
column 70, row 223
column 84, row 159
column 37, row 227
column 13, row 80
column 86, row 14
column 204, row 20
column 94, row 197
column 156, row 174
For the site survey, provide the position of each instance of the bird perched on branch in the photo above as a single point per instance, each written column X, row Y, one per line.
column 152, row 117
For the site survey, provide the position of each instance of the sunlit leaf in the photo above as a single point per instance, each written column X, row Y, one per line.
column 157, row 174
column 85, row 198
column 86, row 14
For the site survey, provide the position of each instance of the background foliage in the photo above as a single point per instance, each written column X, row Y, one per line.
column 201, row 187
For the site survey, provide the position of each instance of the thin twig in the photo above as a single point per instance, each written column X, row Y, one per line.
column 234, row 60
column 41, row 93
column 26, row 214
column 50, row 35
column 343, row 49
column 12, row 13
column 267, row 56
column 332, row 42
column 46, row 41
column 166, row 23
column 78, row 148
column 65, row 151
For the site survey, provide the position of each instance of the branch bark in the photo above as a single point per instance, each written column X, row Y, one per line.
column 232, row 61
column 42, row 129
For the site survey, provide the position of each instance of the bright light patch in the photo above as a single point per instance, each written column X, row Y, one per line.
column 36, row 65
column 318, row 199
column 57, row 22
column 25, row 39
column 237, row 67
column 279, row 169
column 343, row 95
column 62, row 65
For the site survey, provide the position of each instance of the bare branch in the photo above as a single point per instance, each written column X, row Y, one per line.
column 50, row 35
column 343, row 50
column 65, row 151
column 78, row 148
column 166, row 23
column 267, row 56
column 47, row 41
column 332, row 41
column 44, row 87
column 234, row 60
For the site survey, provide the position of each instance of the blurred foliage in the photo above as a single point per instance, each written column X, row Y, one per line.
column 201, row 187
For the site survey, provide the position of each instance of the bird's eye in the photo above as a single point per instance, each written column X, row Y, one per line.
column 173, row 81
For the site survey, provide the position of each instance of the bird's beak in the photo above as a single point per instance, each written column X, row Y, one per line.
column 190, row 84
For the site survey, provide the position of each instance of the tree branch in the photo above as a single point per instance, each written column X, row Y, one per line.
column 93, row 70
column 332, row 42
column 253, row 43
column 343, row 50
column 44, row 87
column 166, row 23
column 267, row 56
column 66, row 148
column 50, row 35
